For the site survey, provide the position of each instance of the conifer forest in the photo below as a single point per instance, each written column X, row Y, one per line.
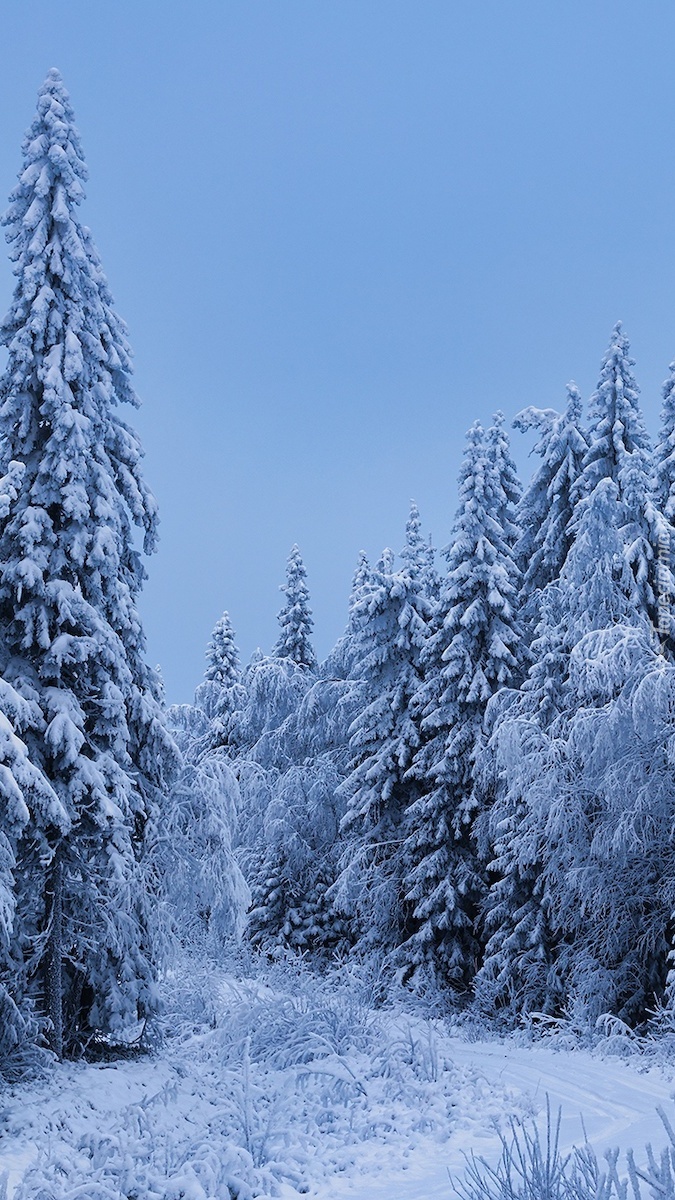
column 384, row 903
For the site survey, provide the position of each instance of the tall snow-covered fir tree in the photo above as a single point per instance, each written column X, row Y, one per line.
column 30, row 808
column 390, row 625
column 418, row 555
column 664, row 453
column 221, row 694
column 546, row 911
column 619, row 449
column 664, row 499
column 71, row 640
column 617, row 428
column 508, row 490
column 473, row 651
column 360, row 581
column 546, row 509
column 222, row 656
column 295, row 617
column 583, row 818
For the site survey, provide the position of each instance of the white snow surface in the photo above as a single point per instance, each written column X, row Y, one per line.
column 263, row 1092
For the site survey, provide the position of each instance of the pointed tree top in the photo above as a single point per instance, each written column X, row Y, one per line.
column 413, row 525
column 617, row 429
column 361, row 576
column 295, row 617
column 385, row 563
column 418, row 556
column 54, row 140
column 222, row 655
column 664, row 486
column 53, row 85
column 574, row 401
column 506, row 481
column 618, row 351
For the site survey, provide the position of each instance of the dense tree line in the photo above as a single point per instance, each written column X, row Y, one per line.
column 477, row 787
column 475, row 790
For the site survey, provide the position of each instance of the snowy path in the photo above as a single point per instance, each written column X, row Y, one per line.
column 178, row 1113
column 617, row 1100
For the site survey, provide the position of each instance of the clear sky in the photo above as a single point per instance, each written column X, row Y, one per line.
column 340, row 231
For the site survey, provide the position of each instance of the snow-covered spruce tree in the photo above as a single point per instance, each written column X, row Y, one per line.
column 664, row 499
column 418, row 555
column 518, row 972
column 290, row 907
column 664, row 453
column 265, row 731
column 341, row 661
column 619, row 449
column 71, row 641
column 390, row 624
column 221, row 695
column 472, row 652
column 553, row 820
column 360, row 581
column 222, row 655
column 292, row 859
column 211, row 721
column 508, row 490
column 603, row 959
column 295, row 617
column 546, row 509
column 263, row 748
column 30, row 807
column 296, row 850
column 517, row 969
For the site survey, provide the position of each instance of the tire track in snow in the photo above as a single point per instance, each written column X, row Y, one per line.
column 612, row 1100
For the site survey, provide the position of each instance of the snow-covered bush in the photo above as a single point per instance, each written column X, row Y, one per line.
column 532, row 1168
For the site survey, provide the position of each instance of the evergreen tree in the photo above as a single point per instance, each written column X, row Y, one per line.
column 298, row 861
column 546, row 509
column 222, row 655
column 617, row 428
column 619, row 450
column 390, row 630
column 508, row 490
column 550, row 812
column 360, row 582
column 295, row 617
column 664, row 454
column 71, row 638
column 418, row 554
column 664, row 500
column 598, row 810
column 29, row 807
column 341, row 661
column 471, row 653
column 221, row 695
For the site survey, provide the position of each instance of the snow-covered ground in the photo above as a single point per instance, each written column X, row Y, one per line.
column 612, row 1100
column 260, row 1091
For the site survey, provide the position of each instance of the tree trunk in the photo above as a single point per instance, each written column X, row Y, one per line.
column 54, row 958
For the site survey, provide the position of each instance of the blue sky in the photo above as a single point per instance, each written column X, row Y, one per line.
column 340, row 231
